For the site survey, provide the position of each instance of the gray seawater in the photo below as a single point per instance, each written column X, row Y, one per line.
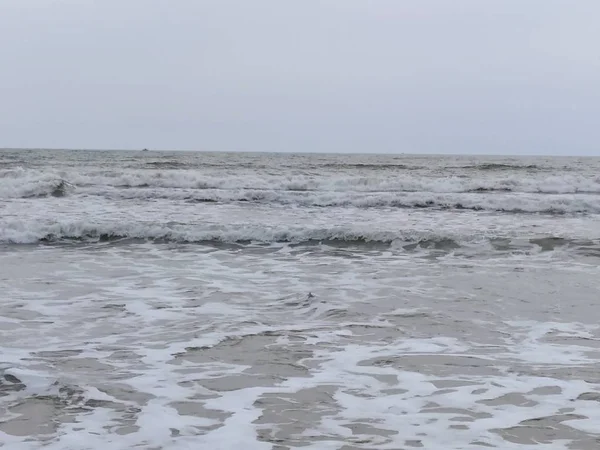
column 258, row 301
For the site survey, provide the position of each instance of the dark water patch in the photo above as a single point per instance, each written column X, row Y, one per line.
column 489, row 189
column 458, row 206
column 437, row 364
column 58, row 354
column 202, row 200
column 336, row 313
column 89, row 237
column 285, row 418
column 590, row 396
column 548, row 430
column 115, row 307
column 60, row 190
column 513, row 398
column 411, row 315
column 502, row 166
column 342, row 244
column 431, row 204
column 381, row 166
column 549, row 243
column 132, row 186
column 267, row 360
column 10, row 383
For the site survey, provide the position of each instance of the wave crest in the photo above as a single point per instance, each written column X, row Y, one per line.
column 408, row 239
column 32, row 187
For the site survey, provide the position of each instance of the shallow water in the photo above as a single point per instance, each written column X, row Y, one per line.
column 135, row 316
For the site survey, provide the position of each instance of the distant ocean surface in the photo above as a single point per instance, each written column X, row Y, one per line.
column 175, row 300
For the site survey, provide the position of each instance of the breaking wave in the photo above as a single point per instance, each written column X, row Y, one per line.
column 409, row 239
column 25, row 182
column 565, row 194
column 46, row 185
column 27, row 233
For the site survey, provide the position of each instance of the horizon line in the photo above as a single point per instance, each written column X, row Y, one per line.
column 281, row 152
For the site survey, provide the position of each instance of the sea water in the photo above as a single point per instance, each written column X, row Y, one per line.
column 171, row 300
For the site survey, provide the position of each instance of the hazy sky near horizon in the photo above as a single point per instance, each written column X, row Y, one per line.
column 413, row 76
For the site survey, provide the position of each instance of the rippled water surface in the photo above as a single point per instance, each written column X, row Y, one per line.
column 224, row 301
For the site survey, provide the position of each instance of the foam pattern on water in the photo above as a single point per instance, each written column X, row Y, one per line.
column 192, row 346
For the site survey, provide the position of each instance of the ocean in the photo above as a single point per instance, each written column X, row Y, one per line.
column 174, row 300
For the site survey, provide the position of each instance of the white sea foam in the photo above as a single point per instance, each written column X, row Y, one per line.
column 373, row 394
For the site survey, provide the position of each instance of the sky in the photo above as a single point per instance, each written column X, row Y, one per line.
column 380, row 76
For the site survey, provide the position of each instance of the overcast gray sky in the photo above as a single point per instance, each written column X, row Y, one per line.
column 441, row 76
